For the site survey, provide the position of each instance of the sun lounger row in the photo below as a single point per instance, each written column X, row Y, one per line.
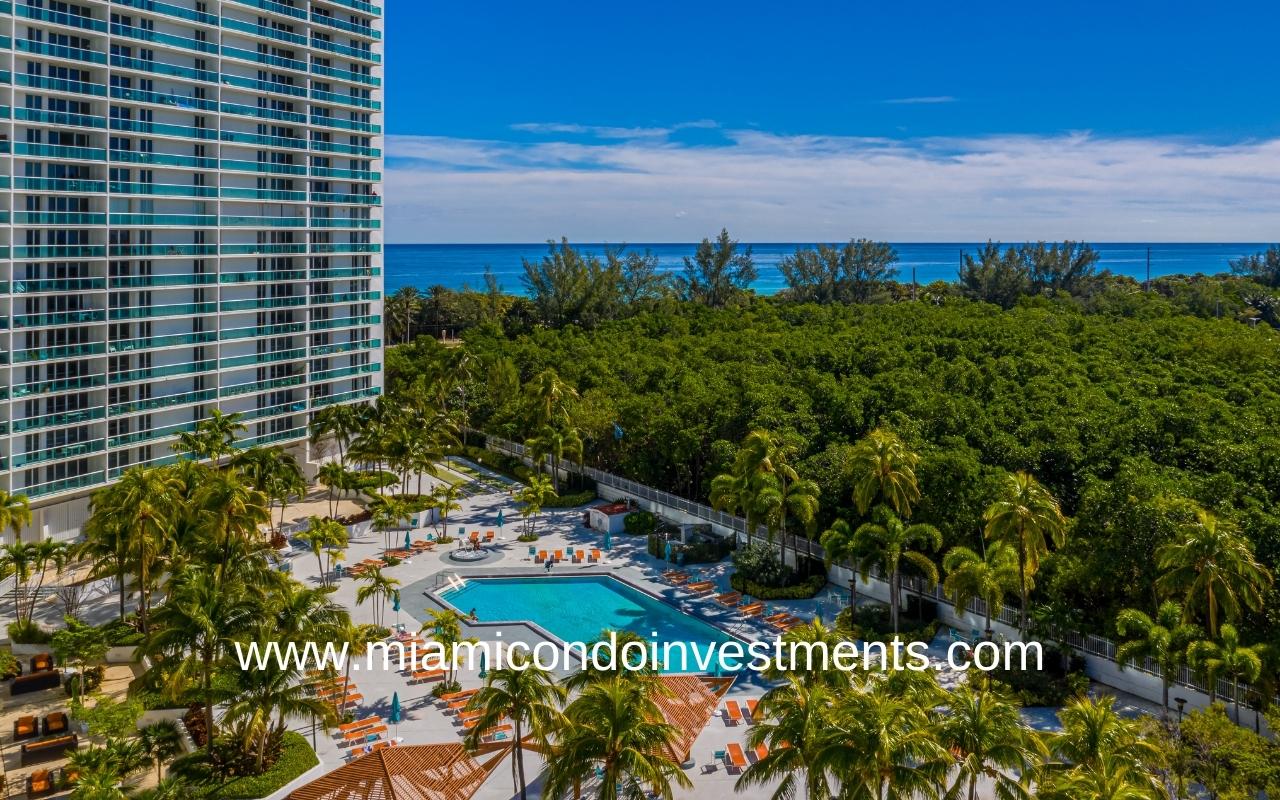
column 575, row 556
column 734, row 756
column 735, row 713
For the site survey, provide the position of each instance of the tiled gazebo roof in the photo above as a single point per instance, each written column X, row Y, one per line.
column 407, row 772
column 688, row 703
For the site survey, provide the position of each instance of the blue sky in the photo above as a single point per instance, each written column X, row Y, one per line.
column 811, row 120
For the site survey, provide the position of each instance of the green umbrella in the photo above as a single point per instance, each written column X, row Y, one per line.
column 484, row 664
column 394, row 718
column 407, row 544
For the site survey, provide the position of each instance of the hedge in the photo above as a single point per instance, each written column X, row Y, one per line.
column 296, row 757
column 804, row 590
column 571, row 500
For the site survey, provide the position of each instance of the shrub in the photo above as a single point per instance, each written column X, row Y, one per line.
column 527, row 537
column 122, row 633
column 92, row 680
column 640, row 523
column 870, row 623
column 445, row 687
column 1051, row 686
column 28, row 632
column 296, row 757
column 804, row 590
column 759, row 563
column 391, row 561
column 571, row 500
column 699, row 552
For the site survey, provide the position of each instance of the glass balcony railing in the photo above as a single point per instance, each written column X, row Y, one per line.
column 231, row 23
column 359, row 5
column 36, row 355
column 264, row 58
column 273, row 411
column 64, row 485
column 162, row 129
column 355, row 53
column 345, row 174
column 161, row 189
column 263, row 222
column 60, row 152
column 153, row 250
column 168, row 401
column 78, row 186
column 262, row 166
column 345, row 297
column 59, row 420
column 263, row 113
column 346, row 247
column 262, row 386
column 165, row 371
column 262, row 358
column 139, row 437
column 346, row 100
column 260, row 249
column 269, row 87
column 59, row 385
column 346, row 222
column 271, row 438
column 263, row 140
column 161, row 68
column 343, row 372
column 170, row 10
column 346, row 199
column 157, row 342
column 174, row 310
column 60, row 51
column 345, row 347
column 58, row 453
column 60, row 118
column 269, row 195
column 157, row 461
column 262, row 302
column 278, row 8
column 345, row 75
column 345, row 124
column 60, row 251
column 58, row 218
column 58, row 318
column 347, row 272
column 145, row 281
column 164, row 159
column 344, row 322
column 170, row 220
column 278, row 329
column 80, row 21
column 345, row 397
column 72, row 285
column 349, row 149
column 160, row 99
column 60, row 84
column 167, row 39
column 343, row 25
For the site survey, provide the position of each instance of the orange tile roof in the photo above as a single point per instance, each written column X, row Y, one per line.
column 406, row 772
column 689, row 704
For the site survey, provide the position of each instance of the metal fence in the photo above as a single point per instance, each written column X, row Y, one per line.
column 1086, row 644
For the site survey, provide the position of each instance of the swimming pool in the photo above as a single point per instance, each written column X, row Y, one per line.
column 577, row 609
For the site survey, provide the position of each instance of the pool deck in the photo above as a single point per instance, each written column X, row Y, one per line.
column 425, row 722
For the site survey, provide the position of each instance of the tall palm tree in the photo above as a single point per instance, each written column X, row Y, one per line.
column 304, row 614
column 549, row 397
column 445, row 629
column 162, row 742
column 779, row 496
column 1026, row 517
column 17, row 560
column 733, row 492
column 617, row 727
column 1163, row 639
column 593, row 672
column 15, row 513
column 445, row 500
column 388, row 511
column 988, row 576
column 273, row 471
column 338, row 422
column 1228, row 657
column 838, row 547
column 402, row 308
column 227, row 517
column 195, row 628
column 105, row 545
column 553, row 444
column 793, row 720
column 324, row 536
column 146, row 502
column 811, row 638
column 529, row 696
column 882, row 747
column 887, row 543
column 1213, row 566
column 44, row 554
column 379, row 588
column 265, row 699
column 1094, row 738
column 213, row 438
column 884, row 470
column 983, row 730
column 534, row 496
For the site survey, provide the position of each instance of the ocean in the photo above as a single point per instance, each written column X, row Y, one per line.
column 462, row 265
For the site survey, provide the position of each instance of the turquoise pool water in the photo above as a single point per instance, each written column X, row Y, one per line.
column 577, row 609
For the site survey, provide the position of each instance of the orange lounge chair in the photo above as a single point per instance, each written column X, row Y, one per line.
column 752, row 705
column 364, row 733
column 595, row 556
column 496, row 733
column 751, row 609
column 475, row 536
column 729, row 599
column 458, row 705
column 353, row 699
column 542, row 556
column 488, row 536
column 427, row 675
column 471, row 722
column 467, row 716
column 358, row 724
column 701, row 587
column 736, row 756
column 733, row 712
column 761, row 751
column 776, row 616
column 675, row 577
column 577, row 555
column 559, row 555
column 451, row 696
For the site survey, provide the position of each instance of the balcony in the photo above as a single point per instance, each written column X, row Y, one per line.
column 161, row 189
column 255, row 303
column 58, row 453
column 345, row 347
column 62, row 285
column 58, row 218
column 164, row 159
column 79, row 186
column 274, row 411
column 344, row 322
column 261, row 195
column 58, row 318
column 264, row 222
column 343, row 372
column 346, row 222
column 153, row 434
column 345, row 397
column 166, row 220
column 157, row 342
column 58, row 420
column 256, row 249
column 168, row 401
column 36, row 355
column 60, row 85
column 146, row 281
column 346, row 247
column 263, row 277
column 174, row 310
column 162, row 129
column 60, row 51
column 262, row 166
column 166, row 371
column 63, row 485
column 254, row 332
column 156, row 7
column 154, row 250
column 262, row 386
column 59, row 118
column 262, row 358
column 57, row 385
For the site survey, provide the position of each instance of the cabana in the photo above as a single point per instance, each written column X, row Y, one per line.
column 408, row 772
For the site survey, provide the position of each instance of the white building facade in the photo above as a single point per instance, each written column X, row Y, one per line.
column 190, row 218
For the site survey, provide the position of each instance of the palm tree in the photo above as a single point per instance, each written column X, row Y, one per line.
column 983, row 729
column 529, row 696
column 593, row 672
column 105, row 545
column 15, row 513
column 444, row 499
column 324, row 536
column 305, row 614
column 552, row 444
column 214, row 436
column 1229, row 658
column 333, row 476
column 793, row 722
column 988, row 576
column 549, row 399
column 810, row 638
column 534, row 496
column 615, row 726
column 885, row 470
column 227, row 517
column 146, row 502
column 339, row 422
column 1027, row 518
column 445, row 627
column 379, row 588
column 388, row 511
column 1094, row 736
column 733, row 492
column 162, row 742
column 1213, row 566
column 23, row 560
column 402, row 307
column 882, row 747
column 195, row 628
column 885, row 544
column 785, row 492
column 265, row 699
column 274, row 472
column 1164, row 640
column 838, row 548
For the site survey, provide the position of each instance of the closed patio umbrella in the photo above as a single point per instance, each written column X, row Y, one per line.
column 668, row 551
column 407, row 543
column 484, row 665
column 396, row 712
column 608, row 540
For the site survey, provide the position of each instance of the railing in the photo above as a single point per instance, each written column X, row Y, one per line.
column 1087, row 644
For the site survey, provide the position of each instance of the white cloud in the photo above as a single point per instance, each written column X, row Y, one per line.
column 921, row 101
column 770, row 187
column 609, row 131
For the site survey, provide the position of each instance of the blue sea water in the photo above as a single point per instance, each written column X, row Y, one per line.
column 459, row 265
